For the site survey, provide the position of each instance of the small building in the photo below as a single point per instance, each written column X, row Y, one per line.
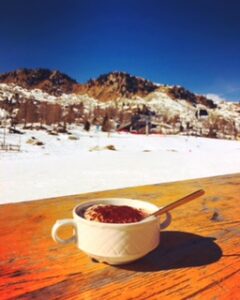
column 201, row 113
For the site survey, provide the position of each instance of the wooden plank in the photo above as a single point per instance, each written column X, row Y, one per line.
column 198, row 258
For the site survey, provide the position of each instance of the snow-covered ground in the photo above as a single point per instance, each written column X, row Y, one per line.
column 63, row 166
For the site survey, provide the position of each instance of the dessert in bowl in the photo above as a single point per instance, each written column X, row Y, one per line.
column 114, row 230
column 109, row 213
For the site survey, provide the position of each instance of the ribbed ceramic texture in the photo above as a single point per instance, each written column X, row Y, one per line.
column 116, row 242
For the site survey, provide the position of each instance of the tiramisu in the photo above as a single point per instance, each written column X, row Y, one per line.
column 113, row 214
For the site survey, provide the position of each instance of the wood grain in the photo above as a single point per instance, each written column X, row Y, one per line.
column 198, row 258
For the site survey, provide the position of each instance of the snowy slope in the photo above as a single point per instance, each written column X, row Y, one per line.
column 171, row 115
column 62, row 166
column 157, row 101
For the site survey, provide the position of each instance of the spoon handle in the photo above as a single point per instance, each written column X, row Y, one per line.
column 179, row 202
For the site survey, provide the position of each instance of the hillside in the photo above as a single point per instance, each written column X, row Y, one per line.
column 116, row 85
column 52, row 82
column 114, row 101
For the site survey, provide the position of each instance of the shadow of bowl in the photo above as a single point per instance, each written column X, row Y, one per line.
column 178, row 250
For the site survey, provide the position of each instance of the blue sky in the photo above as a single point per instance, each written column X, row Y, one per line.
column 191, row 43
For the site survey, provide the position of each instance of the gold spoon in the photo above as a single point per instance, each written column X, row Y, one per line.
column 177, row 203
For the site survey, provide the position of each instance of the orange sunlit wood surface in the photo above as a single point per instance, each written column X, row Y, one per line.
column 199, row 255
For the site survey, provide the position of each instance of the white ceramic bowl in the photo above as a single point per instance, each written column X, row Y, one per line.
column 110, row 242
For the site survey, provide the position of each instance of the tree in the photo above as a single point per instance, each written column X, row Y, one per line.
column 87, row 125
column 107, row 124
column 43, row 113
column 53, row 114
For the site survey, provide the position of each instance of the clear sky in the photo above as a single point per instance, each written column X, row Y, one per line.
column 187, row 42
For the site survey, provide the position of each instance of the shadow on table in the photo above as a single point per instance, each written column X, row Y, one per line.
column 178, row 250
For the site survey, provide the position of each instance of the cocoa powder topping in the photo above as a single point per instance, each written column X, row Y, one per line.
column 114, row 214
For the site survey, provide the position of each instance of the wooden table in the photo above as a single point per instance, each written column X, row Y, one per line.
column 199, row 255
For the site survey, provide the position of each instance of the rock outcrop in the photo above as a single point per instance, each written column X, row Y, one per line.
column 52, row 82
column 115, row 85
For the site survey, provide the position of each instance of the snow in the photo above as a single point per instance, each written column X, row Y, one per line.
column 64, row 167
column 3, row 114
column 216, row 98
column 160, row 101
column 9, row 91
column 157, row 101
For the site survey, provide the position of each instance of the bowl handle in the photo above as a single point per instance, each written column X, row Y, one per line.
column 166, row 222
column 58, row 225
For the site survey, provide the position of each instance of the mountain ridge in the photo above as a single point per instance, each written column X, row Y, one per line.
column 51, row 81
column 106, row 87
column 114, row 85
column 130, row 102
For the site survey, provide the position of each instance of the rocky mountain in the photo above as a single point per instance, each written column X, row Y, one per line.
column 116, row 85
column 107, row 87
column 52, row 82
column 179, row 92
column 47, row 97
